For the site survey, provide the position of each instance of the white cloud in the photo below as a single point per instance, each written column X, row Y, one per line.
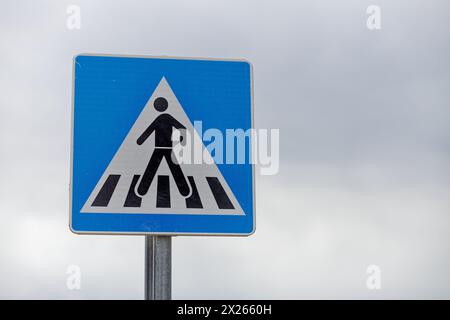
column 363, row 124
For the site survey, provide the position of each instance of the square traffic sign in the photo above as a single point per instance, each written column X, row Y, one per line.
column 162, row 146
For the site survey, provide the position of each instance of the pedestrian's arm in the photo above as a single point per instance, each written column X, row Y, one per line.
column 146, row 134
column 182, row 129
column 177, row 125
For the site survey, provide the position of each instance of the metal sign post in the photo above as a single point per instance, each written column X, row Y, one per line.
column 158, row 267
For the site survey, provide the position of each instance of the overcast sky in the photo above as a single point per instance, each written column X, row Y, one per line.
column 364, row 119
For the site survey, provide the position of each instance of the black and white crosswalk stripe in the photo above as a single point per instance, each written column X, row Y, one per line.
column 223, row 201
column 163, row 193
column 132, row 199
column 193, row 201
column 106, row 191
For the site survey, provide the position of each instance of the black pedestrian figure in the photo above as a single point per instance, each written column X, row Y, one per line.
column 163, row 127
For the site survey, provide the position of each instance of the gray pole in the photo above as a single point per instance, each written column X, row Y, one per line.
column 158, row 267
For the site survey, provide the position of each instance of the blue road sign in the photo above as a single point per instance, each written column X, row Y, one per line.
column 161, row 146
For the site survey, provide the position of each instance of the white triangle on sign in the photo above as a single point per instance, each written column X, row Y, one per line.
column 115, row 192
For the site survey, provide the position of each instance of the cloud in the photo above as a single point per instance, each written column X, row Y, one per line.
column 364, row 126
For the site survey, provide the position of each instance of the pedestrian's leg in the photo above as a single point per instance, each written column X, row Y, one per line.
column 182, row 184
column 150, row 172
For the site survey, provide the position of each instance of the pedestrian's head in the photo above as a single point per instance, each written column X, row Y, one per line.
column 160, row 104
